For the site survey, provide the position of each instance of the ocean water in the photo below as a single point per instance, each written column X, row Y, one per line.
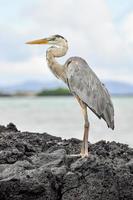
column 62, row 116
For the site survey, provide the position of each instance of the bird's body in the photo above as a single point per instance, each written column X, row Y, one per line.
column 90, row 90
column 82, row 82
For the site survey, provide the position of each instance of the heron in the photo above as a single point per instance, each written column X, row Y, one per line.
column 82, row 82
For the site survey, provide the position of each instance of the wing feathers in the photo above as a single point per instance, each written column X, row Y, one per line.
column 83, row 82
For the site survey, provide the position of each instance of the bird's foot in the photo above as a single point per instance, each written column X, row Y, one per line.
column 84, row 155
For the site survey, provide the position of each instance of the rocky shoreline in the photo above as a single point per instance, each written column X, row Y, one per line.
column 37, row 166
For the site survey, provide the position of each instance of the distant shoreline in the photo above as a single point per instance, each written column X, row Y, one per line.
column 61, row 95
column 53, row 92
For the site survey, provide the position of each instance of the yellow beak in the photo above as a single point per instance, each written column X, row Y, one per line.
column 40, row 41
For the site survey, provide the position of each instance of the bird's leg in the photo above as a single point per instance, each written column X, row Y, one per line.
column 84, row 147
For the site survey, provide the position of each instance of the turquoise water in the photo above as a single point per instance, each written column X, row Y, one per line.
column 62, row 116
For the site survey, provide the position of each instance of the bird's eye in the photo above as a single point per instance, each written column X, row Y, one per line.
column 54, row 39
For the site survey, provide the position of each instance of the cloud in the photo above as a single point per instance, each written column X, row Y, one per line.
column 128, row 29
column 88, row 26
column 34, row 67
column 12, row 47
column 90, row 30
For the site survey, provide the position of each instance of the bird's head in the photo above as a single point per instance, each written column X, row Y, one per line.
column 52, row 40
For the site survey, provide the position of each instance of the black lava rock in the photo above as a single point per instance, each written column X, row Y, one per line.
column 37, row 166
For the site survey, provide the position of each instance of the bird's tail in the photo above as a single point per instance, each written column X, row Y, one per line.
column 108, row 116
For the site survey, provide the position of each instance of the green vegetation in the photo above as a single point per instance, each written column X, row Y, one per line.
column 55, row 92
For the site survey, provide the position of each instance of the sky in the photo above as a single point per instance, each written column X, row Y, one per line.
column 100, row 31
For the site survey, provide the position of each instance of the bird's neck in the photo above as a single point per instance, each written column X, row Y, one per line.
column 51, row 54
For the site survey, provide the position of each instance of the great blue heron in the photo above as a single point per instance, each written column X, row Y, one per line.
column 82, row 82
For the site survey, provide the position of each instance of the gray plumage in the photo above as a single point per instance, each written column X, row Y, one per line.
column 84, row 83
